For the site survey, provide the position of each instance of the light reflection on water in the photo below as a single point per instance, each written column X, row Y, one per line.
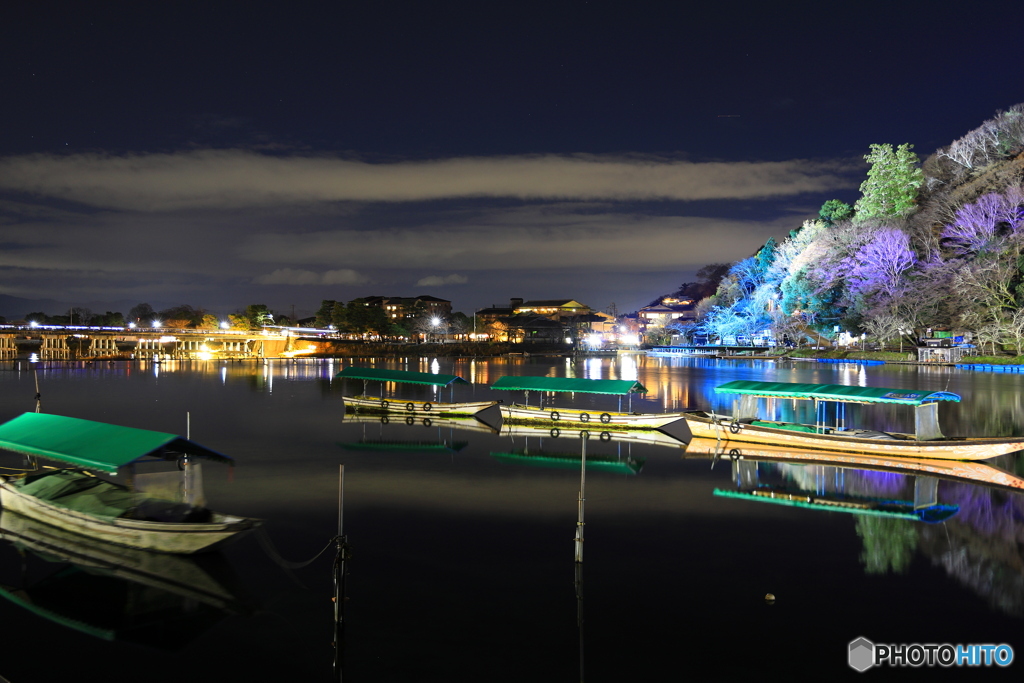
column 462, row 559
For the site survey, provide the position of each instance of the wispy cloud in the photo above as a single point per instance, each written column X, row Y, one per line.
column 442, row 280
column 241, row 178
column 292, row 276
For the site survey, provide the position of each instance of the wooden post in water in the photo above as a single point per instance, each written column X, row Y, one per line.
column 583, row 482
column 339, row 571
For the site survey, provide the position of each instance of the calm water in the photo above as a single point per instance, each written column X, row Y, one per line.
column 462, row 563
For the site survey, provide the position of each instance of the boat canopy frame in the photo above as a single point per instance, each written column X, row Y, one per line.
column 925, row 402
column 615, row 387
column 839, row 393
column 399, row 376
column 95, row 445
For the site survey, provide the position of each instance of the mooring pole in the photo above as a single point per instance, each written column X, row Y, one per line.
column 583, row 483
column 339, row 572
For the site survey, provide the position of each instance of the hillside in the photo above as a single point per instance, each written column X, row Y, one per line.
column 938, row 244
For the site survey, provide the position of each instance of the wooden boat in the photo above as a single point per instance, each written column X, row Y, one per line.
column 91, row 506
column 926, row 442
column 408, row 406
column 579, row 418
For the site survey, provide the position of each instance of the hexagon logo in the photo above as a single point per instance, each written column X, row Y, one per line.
column 862, row 654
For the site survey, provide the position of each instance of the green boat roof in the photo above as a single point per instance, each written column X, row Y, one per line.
column 95, row 445
column 570, row 461
column 930, row 515
column 618, row 387
column 406, row 376
column 835, row 392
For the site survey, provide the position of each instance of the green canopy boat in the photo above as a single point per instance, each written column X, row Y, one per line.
column 557, row 416
column 927, row 441
column 81, row 503
column 407, row 406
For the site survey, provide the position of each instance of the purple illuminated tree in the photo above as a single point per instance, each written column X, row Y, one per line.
column 981, row 226
column 881, row 264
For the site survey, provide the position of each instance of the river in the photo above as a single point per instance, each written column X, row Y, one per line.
column 462, row 549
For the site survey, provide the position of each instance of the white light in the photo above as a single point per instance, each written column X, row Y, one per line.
column 224, row 325
column 33, row 324
column 157, row 323
column 435, row 321
column 131, row 325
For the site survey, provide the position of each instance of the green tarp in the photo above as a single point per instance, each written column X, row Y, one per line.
column 835, row 392
column 404, row 376
column 91, row 444
column 80, row 492
column 618, row 387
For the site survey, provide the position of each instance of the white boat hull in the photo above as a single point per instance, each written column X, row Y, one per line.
column 163, row 537
column 594, row 434
column 973, row 472
column 408, row 407
column 727, row 430
column 586, row 419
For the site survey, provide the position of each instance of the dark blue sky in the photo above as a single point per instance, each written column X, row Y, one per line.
column 220, row 154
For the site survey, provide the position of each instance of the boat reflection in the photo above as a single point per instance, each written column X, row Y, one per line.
column 118, row 593
column 563, row 448
column 970, row 544
column 431, row 433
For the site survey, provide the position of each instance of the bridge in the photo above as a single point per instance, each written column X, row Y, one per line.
column 90, row 343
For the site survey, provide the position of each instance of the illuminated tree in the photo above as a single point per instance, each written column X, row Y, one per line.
column 892, row 185
column 879, row 265
column 980, row 226
column 834, row 211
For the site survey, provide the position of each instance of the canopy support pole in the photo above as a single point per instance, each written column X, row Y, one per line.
column 582, row 499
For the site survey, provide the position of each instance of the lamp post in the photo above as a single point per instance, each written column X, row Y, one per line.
column 436, row 322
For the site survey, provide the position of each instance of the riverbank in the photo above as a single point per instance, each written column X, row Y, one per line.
column 349, row 349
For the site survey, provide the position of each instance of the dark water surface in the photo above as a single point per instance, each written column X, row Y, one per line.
column 462, row 561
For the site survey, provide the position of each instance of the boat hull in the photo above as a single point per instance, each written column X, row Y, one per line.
column 365, row 404
column 727, row 430
column 956, row 470
column 162, row 537
column 586, row 419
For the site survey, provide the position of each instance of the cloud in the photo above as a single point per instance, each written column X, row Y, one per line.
column 241, row 178
column 440, row 281
column 290, row 276
column 532, row 239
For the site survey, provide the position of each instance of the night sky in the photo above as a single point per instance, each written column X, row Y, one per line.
column 221, row 154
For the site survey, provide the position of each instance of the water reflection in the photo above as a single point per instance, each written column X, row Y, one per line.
column 478, row 547
column 117, row 593
column 972, row 509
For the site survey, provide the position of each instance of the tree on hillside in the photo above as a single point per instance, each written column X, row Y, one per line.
column 834, row 211
column 140, row 314
column 258, row 315
column 879, row 265
column 324, row 313
column 892, row 185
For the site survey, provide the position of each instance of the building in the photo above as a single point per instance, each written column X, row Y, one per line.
column 667, row 311
column 400, row 308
